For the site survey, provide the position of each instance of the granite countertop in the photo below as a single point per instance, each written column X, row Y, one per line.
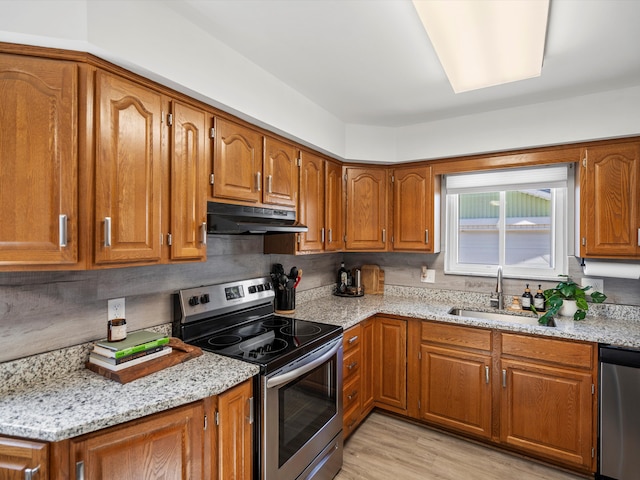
column 53, row 397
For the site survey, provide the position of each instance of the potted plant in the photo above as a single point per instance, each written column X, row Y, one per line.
column 567, row 293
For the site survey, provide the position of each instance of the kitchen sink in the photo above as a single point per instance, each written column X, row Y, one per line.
column 500, row 317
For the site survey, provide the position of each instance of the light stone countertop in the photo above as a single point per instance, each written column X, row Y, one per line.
column 53, row 397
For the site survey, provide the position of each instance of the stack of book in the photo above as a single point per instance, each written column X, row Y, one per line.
column 137, row 348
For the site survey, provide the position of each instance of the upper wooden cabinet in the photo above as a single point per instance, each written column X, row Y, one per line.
column 128, row 172
column 190, row 162
column 610, row 201
column 280, row 173
column 415, row 210
column 366, row 208
column 38, row 162
column 333, row 223
column 21, row 459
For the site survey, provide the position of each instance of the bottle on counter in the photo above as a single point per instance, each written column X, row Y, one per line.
column 527, row 299
column 538, row 300
column 343, row 276
column 116, row 330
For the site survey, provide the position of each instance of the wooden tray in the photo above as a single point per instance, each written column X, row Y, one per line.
column 181, row 352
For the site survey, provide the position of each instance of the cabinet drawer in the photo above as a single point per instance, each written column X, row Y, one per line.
column 456, row 336
column 350, row 420
column 351, row 394
column 352, row 338
column 351, row 364
column 560, row 352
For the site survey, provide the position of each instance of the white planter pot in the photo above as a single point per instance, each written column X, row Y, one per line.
column 568, row 308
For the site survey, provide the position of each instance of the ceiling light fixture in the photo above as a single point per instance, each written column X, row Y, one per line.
column 481, row 43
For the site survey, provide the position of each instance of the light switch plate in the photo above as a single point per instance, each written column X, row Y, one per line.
column 115, row 308
column 597, row 284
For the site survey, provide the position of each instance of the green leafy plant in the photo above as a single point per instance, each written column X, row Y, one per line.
column 568, row 290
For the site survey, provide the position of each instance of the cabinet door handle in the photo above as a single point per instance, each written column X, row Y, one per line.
column 62, row 229
column 486, row 374
column 107, row 231
column 330, row 236
column 30, row 472
column 79, row 470
column 639, row 237
column 250, row 417
column 269, row 183
column 353, row 339
column 426, row 236
column 203, row 227
column 322, row 234
column 258, row 181
column 504, row 378
column 384, row 235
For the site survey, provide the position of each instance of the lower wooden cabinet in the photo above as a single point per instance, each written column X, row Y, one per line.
column 23, row 459
column 235, row 439
column 390, row 363
column 351, row 379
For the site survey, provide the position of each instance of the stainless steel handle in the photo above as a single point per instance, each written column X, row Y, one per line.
column 258, row 181
column 30, row 472
column 107, row 231
column 204, row 233
column 384, row 235
column 322, row 234
column 353, row 339
column 250, row 418
column 62, row 229
column 352, row 365
column 352, row 395
column 269, row 183
column 330, row 236
column 426, row 236
column 639, row 237
column 293, row 374
column 504, row 378
column 79, row 470
column 486, row 374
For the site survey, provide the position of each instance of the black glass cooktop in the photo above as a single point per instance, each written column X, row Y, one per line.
column 271, row 341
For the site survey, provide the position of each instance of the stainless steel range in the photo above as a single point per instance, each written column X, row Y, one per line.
column 299, row 389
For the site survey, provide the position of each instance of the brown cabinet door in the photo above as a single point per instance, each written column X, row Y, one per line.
column 280, row 173
column 547, row 411
column 610, row 198
column 234, row 433
column 38, row 161
column 366, row 209
column 311, row 211
column 128, row 173
column 189, row 174
column 19, row 458
column 413, row 209
column 166, row 445
column 237, row 162
column 390, row 362
column 333, row 208
column 455, row 389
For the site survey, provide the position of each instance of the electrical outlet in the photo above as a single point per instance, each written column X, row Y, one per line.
column 596, row 284
column 115, row 308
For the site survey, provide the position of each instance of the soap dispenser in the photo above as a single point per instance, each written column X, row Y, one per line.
column 527, row 299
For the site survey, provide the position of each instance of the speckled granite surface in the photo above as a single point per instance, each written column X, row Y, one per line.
column 53, row 397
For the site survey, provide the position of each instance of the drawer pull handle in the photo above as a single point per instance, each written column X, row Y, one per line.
column 30, row 472
column 353, row 339
column 352, row 395
column 352, row 365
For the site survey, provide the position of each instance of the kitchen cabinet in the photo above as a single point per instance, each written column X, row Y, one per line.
column 416, row 210
column 280, row 170
column 38, row 163
column 366, row 208
column 390, row 364
column 23, row 459
column 610, row 201
column 455, row 371
column 351, row 379
column 164, row 445
column 234, row 420
column 547, row 403
column 368, row 366
column 128, row 172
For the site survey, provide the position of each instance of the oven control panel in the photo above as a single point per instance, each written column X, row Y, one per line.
column 220, row 298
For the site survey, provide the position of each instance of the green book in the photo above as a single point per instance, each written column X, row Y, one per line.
column 135, row 342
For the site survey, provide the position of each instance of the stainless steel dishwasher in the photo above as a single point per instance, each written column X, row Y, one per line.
column 619, row 413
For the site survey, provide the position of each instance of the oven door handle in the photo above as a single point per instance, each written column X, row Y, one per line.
column 307, row 367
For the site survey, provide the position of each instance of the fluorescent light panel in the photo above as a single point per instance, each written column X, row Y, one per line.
column 481, row 43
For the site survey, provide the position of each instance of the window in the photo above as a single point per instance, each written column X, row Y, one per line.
column 516, row 218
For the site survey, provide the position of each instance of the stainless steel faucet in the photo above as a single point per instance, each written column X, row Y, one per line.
column 497, row 298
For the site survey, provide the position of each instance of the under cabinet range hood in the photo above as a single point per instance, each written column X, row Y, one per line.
column 226, row 218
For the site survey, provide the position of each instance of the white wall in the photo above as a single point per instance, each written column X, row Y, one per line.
column 151, row 39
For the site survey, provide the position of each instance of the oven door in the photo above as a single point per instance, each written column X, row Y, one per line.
column 302, row 417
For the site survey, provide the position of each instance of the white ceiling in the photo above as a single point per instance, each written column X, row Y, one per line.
column 370, row 62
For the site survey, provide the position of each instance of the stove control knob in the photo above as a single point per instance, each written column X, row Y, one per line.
column 267, row 286
column 193, row 301
column 261, row 288
column 252, row 289
column 205, row 298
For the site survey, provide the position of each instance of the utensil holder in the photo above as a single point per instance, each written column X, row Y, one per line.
column 285, row 300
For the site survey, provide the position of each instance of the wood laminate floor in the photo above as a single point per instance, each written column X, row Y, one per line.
column 387, row 448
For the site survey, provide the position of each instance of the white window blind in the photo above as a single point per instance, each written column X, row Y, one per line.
column 521, row 178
